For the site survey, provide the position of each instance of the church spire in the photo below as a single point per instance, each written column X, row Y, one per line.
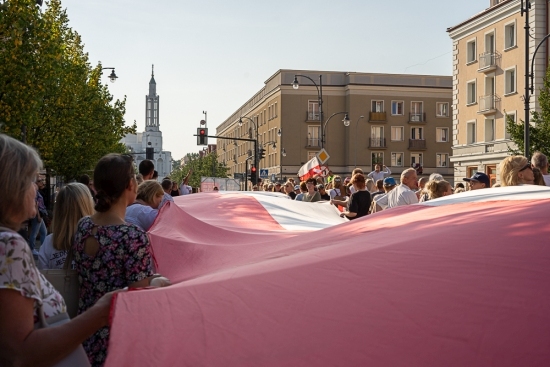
column 152, row 81
column 152, row 103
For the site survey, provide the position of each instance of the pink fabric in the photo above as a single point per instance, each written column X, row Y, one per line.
column 458, row 285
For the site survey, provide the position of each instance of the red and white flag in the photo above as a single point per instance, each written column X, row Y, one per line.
column 310, row 169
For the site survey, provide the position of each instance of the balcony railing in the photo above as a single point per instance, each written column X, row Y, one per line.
column 417, row 144
column 313, row 142
column 488, row 61
column 416, row 117
column 312, row 116
column 488, row 104
column 377, row 117
column 377, row 143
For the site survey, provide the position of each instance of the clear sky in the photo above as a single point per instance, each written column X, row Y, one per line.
column 213, row 55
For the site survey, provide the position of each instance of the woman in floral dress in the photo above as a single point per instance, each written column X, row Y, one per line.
column 111, row 254
column 23, row 289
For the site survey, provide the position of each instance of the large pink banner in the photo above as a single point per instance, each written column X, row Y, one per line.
column 466, row 284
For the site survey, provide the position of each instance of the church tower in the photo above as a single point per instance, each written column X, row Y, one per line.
column 152, row 104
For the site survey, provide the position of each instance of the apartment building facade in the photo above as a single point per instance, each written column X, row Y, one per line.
column 396, row 120
column 489, row 82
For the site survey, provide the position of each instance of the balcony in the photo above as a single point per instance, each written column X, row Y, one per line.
column 488, row 62
column 377, row 143
column 488, row 104
column 417, row 144
column 417, row 118
column 313, row 116
column 313, row 143
column 377, row 117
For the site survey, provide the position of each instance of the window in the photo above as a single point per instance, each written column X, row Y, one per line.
column 313, row 133
column 417, row 133
column 313, row 110
column 377, row 136
column 510, row 81
column 377, row 106
column 509, row 35
column 471, row 90
column 397, row 159
column 416, row 158
column 377, row 158
column 489, row 130
column 397, row 133
column 510, row 116
column 442, row 109
column 417, row 111
column 397, row 107
column 442, row 134
column 471, row 132
column 490, row 42
column 471, row 51
column 442, row 159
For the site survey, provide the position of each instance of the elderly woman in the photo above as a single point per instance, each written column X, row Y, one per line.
column 25, row 293
column 144, row 210
column 516, row 170
column 360, row 201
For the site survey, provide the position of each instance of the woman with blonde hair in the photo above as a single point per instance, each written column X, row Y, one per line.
column 516, row 170
column 26, row 295
column 72, row 203
column 437, row 189
column 144, row 210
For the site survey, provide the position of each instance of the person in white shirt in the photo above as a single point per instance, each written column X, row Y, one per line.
column 404, row 194
column 540, row 161
column 184, row 188
column 73, row 202
column 379, row 175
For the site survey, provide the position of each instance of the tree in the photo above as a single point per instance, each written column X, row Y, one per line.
column 50, row 96
column 539, row 130
column 206, row 166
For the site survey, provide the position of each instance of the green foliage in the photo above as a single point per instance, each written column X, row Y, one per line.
column 50, row 96
column 207, row 166
column 539, row 130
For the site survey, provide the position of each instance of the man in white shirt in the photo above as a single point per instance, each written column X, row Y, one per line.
column 379, row 175
column 540, row 161
column 404, row 194
column 184, row 188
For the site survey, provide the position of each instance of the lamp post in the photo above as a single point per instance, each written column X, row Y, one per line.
column 112, row 76
column 529, row 87
column 256, row 161
column 356, row 124
column 319, row 87
column 324, row 130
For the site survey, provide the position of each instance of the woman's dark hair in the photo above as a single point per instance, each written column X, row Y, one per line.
column 112, row 175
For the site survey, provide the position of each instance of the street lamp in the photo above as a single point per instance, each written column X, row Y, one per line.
column 323, row 132
column 256, row 161
column 112, row 76
column 525, row 6
column 319, row 87
column 356, row 124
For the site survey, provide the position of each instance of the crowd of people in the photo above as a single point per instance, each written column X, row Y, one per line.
column 99, row 226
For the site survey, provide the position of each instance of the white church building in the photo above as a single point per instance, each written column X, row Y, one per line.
column 152, row 136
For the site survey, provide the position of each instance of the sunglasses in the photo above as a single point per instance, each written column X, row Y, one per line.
column 525, row 167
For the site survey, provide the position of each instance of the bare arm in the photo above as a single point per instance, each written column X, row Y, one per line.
column 21, row 345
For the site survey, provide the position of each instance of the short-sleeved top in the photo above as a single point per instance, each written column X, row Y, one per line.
column 18, row 272
column 49, row 257
column 359, row 202
column 312, row 198
column 124, row 257
column 142, row 216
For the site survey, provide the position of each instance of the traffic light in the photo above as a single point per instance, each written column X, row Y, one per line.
column 262, row 153
column 202, row 136
column 253, row 175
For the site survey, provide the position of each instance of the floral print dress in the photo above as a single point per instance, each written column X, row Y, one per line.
column 18, row 272
column 124, row 257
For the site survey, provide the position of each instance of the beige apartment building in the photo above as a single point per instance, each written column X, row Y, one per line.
column 489, row 82
column 396, row 120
